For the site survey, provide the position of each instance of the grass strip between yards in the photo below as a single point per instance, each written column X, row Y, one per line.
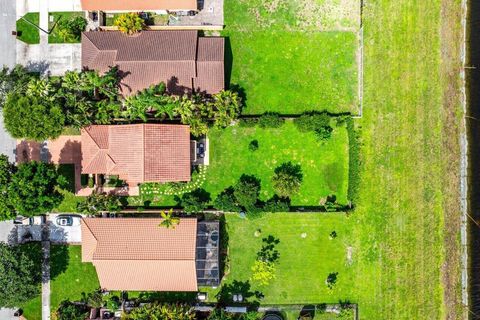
column 405, row 184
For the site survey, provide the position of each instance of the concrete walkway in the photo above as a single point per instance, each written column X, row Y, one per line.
column 46, row 273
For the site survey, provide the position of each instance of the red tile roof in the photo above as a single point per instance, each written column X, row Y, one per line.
column 179, row 58
column 139, row 5
column 138, row 153
column 137, row 254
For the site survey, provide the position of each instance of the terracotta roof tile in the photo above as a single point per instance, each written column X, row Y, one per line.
column 165, row 56
column 138, row 254
column 139, row 5
column 138, row 152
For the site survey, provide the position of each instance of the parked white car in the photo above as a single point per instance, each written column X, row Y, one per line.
column 67, row 220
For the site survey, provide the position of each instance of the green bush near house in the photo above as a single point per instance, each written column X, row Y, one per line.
column 27, row 28
column 66, row 27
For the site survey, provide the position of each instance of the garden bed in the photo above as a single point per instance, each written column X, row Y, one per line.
column 55, row 35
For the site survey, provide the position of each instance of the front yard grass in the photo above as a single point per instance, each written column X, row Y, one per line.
column 27, row 32
column 293, row 56
column 54, row 36
column 324, row 165
column 304, row 262
column 77, row 277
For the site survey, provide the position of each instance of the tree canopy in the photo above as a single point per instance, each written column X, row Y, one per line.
column 20, row 273
column 33, row 118
column 99, row 202
column 287, row 179
column 33, row 188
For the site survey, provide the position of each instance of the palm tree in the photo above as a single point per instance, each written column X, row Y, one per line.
column 168, row 221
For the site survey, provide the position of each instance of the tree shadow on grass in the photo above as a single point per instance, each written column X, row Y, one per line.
column 59, row 260
column 226, row 294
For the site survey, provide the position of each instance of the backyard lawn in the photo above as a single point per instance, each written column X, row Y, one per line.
column 27, row 32
column 324, row 165
column 289, row 58
column 304, row 261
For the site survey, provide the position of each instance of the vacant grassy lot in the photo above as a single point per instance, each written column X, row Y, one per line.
column 409, row 182
column 26, row 31
column 324, row 166
column 304, row 263
column 74, row 277
column 55, row 36
column 289, row 59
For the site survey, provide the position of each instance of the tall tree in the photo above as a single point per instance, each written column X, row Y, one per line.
column 34, row 188
column 20, row 273
column 33, row 118
column 7, row 170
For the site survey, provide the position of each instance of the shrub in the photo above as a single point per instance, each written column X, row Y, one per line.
column 263, row 272
column 195, row 201
column 99, row 202
column 312, row 121
column 253, row 145
column 287, row 179
column 331, row 280
column 246, row 191
column 324, row 133
column 71, row 29
column 248, row 122
column 270, row 120
column 129, row 23
column 354, row 161
column 277, row 204
column 225, row 201
column 164, row 311
column 71, row 311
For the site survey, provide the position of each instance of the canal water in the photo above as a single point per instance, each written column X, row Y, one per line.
column 473, row 131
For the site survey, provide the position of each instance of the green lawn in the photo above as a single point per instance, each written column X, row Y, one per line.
column 26, row 31
column 304, row 263
column 287, row 61
column 78, row 277
column 406, row 221
column 68, row 172
column 54, row 36
column 324, row 166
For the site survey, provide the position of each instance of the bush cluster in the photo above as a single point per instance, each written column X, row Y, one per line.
column 318, row 122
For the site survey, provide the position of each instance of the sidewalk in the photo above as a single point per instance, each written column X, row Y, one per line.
column 46, row 274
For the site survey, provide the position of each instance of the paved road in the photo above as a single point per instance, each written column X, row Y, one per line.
column 7, row 25
column 7, row 143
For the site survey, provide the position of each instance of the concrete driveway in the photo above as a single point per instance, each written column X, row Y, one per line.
column 7, row 314
column 54, row 59
column 7, row 229
column 7, row 25
column 64, row 234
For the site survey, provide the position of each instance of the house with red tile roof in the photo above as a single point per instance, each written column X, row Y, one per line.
column 182, row 60
column 137, row 153
column 138, row 254
column 139, row 5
